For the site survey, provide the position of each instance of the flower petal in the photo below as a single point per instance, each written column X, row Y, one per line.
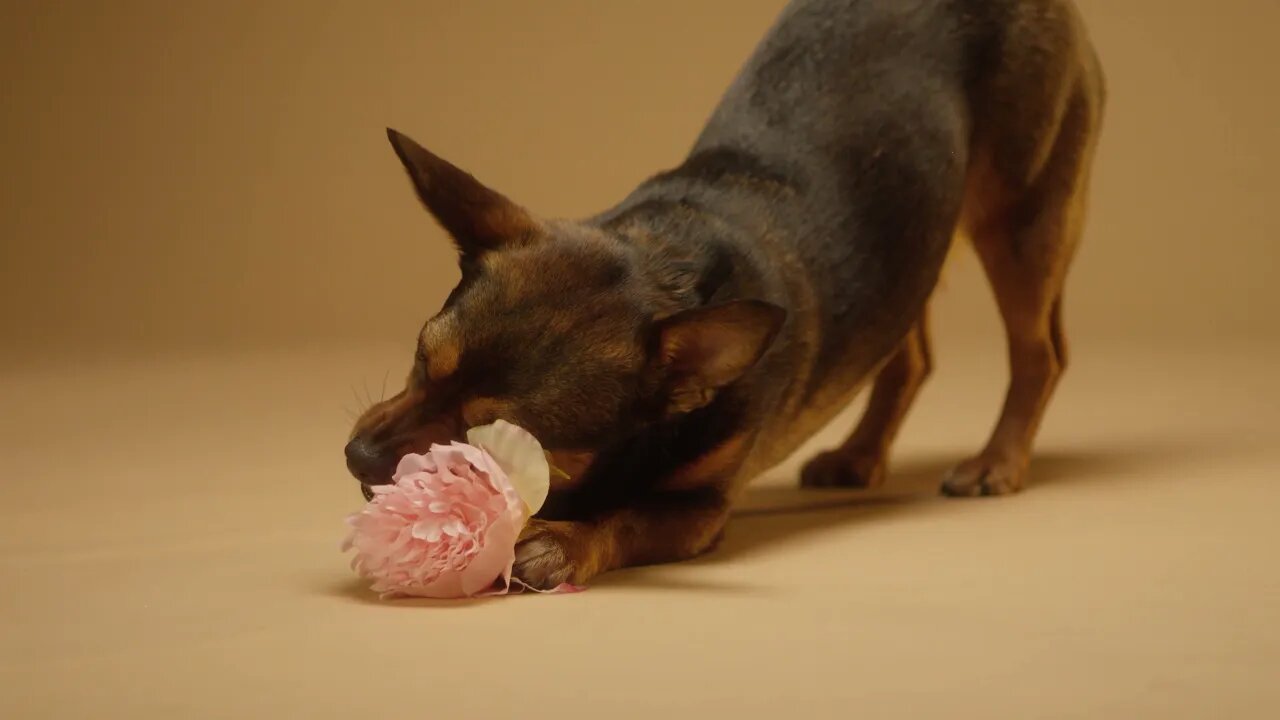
column 520, row 455
column 497, row 479
column 494, row 559
column 446, row 587
column 429, row 529
column 413, row 463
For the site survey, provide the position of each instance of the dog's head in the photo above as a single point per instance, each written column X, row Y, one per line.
column 553, row 327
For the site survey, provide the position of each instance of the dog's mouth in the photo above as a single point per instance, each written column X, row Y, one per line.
column 366, row 491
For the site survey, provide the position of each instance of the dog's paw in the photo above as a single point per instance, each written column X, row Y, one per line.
column 844, row 469
column 549, row 553
column 986, row 475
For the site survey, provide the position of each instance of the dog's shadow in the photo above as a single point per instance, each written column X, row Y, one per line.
column 778, row 511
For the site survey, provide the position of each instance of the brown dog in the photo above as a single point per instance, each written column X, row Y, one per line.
column 677, row 344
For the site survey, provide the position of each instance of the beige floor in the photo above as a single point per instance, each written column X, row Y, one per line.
column 168, row 538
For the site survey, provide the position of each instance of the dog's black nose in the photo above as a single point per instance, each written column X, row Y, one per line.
column 368, row 463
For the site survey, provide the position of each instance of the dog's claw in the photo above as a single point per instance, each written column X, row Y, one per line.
column 545, row 555
column 843, row 469
column 985, row 476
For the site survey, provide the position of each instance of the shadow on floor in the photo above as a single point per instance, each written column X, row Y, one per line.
column 355, row 589
column 771, row 514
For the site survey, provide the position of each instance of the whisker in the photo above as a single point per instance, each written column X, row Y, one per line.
column 383, row 395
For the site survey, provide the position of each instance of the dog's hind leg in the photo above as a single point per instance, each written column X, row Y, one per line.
column 1026, row 245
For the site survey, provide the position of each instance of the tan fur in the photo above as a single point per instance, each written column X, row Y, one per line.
column 482, row 411
column 442, row 361
column 439, row 345
column 713, row 467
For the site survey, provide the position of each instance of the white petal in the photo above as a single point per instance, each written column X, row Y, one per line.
column 427, row 529
column 520, row 455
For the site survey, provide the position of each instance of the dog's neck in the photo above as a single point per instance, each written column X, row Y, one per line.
column 683, row 253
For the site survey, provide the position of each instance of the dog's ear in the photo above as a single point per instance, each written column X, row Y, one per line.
column 704, row 349
column 478, row 218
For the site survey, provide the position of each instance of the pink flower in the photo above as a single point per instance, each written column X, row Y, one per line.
column 447, row 525
column 445, row 528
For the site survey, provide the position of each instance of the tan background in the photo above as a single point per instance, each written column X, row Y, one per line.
column 206, row 248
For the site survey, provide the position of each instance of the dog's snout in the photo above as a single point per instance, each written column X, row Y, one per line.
column 367, row 462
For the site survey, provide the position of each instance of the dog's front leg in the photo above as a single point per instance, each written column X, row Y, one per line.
column 659, row 527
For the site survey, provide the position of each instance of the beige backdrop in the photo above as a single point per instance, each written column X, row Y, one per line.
column 211, row 174
column 206, row 248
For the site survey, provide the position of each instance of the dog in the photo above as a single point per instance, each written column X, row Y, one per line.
column 675, row 345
